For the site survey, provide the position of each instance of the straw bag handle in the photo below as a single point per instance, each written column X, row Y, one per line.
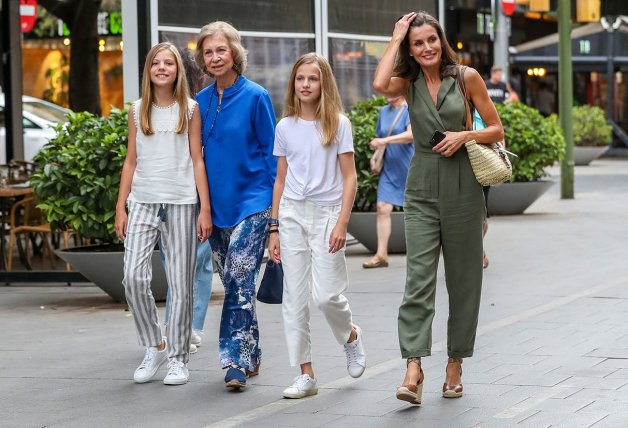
column 463, row 90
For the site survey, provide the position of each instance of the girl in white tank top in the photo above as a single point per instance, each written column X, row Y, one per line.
column 162, row 179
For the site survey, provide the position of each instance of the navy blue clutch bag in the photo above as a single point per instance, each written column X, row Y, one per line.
column 271, row 288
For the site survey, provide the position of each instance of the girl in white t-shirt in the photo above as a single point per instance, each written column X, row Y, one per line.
column 312, row 199
column 162, row 173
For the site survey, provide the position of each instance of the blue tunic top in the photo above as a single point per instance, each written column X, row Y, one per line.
column 392, row 179
column 237, row 141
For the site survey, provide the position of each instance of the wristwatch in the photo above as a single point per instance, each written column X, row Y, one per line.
column 273, row 222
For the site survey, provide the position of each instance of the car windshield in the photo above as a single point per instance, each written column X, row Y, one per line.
column 46, row 111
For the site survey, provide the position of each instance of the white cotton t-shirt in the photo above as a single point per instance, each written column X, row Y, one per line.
column 313, row 169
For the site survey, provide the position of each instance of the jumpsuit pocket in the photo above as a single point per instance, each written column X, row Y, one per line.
column 422, row 181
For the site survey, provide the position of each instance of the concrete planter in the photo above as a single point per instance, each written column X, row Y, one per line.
column 363, row 227
column 104, row 267
column 515, row 198
column 583, row 155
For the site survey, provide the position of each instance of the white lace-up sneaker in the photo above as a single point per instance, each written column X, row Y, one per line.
column 178, row 373
column 153, row 359
column 303, row 386
column 356, row 358
column 193, row 348
column 195, row 338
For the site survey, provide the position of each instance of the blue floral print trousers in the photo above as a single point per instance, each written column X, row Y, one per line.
column 239, row 251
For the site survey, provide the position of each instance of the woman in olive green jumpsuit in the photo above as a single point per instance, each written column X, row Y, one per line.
column 444, row 204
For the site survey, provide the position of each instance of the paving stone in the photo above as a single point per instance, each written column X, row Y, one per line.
column 562, row 419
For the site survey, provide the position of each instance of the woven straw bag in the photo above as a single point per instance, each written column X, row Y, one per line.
column 489, row 162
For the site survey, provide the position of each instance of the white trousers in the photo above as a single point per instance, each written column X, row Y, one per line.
column 304, row 230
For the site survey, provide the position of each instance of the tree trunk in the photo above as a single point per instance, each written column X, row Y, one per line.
column 81, row 17
column 84, row 84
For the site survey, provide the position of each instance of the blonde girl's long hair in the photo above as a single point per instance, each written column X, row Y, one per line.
column 180, row 93
column 329, row 106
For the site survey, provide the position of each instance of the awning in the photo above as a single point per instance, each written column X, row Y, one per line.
column 588, row 49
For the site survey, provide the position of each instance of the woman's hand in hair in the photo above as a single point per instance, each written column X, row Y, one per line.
column 451, row 143
column 402, row 25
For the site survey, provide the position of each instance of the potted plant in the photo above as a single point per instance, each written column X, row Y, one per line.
column 76, row 183
column 362, row 225
column 591, row 133
column 539, row 143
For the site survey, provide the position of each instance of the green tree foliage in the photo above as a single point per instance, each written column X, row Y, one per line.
column 363, row 117
column 78, row 174
column 538, row 141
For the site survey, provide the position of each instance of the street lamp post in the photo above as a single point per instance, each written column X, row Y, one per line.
column 565, row 97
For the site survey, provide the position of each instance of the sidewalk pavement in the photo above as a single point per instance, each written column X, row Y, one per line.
column 551, row 350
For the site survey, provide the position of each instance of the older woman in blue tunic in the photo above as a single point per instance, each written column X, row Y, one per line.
column 393, row 132
column 238, row 134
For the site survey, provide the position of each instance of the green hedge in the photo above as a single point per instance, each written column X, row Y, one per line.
column 363, row 117
column 78, row 174
column 538, row 141
column 590, row 127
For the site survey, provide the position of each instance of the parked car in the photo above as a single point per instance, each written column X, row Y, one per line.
column 38, row 116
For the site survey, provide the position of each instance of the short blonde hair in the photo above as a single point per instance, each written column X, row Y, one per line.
column 233, row 38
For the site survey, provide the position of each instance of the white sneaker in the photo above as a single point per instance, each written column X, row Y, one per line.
column 195, row 339
column 193, row 348
column 303, row 386
column 178, row 373
column 356, row 358
column 153, row 359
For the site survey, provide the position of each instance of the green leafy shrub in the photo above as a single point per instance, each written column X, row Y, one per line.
column 363, row 117
column 538, row 141
column 590, row 127
column 78, row 174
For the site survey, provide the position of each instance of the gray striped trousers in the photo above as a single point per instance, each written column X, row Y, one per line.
column 178, row 240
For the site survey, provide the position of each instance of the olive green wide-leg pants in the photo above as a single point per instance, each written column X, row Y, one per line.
column 444, row 209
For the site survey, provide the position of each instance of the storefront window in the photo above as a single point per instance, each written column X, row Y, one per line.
column 372, row 17
column 245, row 15
column 270, row 60
column 354, row 63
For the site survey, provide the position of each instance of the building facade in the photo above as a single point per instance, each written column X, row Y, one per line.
column 352, row 34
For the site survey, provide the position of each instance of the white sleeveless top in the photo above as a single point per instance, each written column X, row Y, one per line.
column 164, row 173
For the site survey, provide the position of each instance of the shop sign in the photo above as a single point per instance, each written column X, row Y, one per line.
column 28, row 15
column 508, row 7
column 109, row 24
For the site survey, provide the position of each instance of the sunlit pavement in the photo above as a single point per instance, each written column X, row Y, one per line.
column 551, row 349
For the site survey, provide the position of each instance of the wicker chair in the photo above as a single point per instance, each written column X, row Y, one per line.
column 27, row 219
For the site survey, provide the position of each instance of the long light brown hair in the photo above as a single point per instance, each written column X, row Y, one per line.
column 408, row 68
column 180, row 90
column 238, row 53
column 329, row 106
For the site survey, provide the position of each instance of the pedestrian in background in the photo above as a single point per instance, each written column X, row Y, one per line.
column 312, row 199
column 237, row 138
column 395, row 134
column 162, row 175
column 444, row 205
